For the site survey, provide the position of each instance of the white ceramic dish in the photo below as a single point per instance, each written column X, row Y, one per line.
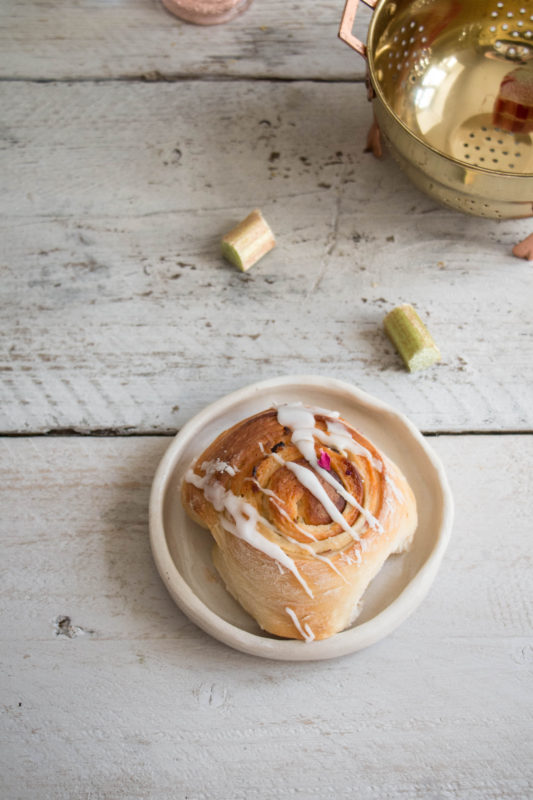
column 182, row 550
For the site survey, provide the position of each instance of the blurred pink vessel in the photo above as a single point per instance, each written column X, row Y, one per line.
column 206, row 12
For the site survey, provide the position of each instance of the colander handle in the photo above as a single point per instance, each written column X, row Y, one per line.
column 347, row 22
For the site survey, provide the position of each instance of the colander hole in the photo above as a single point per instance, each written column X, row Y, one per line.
column 519, row 23
column 465, row 144
column 515, row 33
column 412, row 24
column 467, row 155
column 500, row 141
column 517, row 155
column 477, row 147
column 404, row 42
column 512, row 51
column 511, row 166
column 505, row 26
column 483, row 127
column 494, row 160
column 402, row 30
column 528, row 34
column 481, row 158
column 492, row 150
column 424, row 40
column 494, row 14
column 421, row 28
column 522, row 10
column 505, row 152
column 488, row 138
column 492, row 28
column 510, row 14
column 405, row 53
column 411, row 40
column 499, row 5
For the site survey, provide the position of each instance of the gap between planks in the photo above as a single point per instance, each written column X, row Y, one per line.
column 159, row 77
column 125, row 433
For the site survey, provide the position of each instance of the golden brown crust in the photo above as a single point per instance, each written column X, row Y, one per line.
column 255, row 469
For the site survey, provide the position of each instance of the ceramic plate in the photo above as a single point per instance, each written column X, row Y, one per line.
column 182, row 550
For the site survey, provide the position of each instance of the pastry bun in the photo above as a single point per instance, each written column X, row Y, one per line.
column 303, row 511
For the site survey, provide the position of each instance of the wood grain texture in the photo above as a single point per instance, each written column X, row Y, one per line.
column 130, row 700
column 139, row 38
column 119, row 313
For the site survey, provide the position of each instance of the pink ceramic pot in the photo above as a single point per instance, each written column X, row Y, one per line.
column 206, row 12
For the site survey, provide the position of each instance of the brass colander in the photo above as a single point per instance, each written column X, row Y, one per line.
column 452, row 85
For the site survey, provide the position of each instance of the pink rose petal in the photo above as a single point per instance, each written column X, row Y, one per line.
column 324, row 460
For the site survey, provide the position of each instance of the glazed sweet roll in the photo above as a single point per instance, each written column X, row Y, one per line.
column 304, row 511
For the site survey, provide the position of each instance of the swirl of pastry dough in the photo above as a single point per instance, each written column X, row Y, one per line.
column 303, row 510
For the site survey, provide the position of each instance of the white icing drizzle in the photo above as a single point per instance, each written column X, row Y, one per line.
column 311, row 482
column 222, row 466
column 295, row 416
column 245, row 516
column 313, row 409
column 304, row 475
column 301, row 422
column 339, row 488
column 279, row 505
column 388, row 502
column 394, row 489
column 305, row 632
column 302, row 545
column 320, row 557
column 339, row 437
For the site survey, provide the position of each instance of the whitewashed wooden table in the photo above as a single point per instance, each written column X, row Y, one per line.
column 129, row 143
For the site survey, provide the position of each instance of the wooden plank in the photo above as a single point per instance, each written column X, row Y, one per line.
column 131, row 700
column 120, row 314
column 139, row 38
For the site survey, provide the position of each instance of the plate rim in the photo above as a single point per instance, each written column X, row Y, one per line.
column 345, row 642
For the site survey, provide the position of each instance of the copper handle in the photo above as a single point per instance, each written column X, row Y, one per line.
column 347, row 21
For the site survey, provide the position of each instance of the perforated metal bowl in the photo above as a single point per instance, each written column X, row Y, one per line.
column 452, row 85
